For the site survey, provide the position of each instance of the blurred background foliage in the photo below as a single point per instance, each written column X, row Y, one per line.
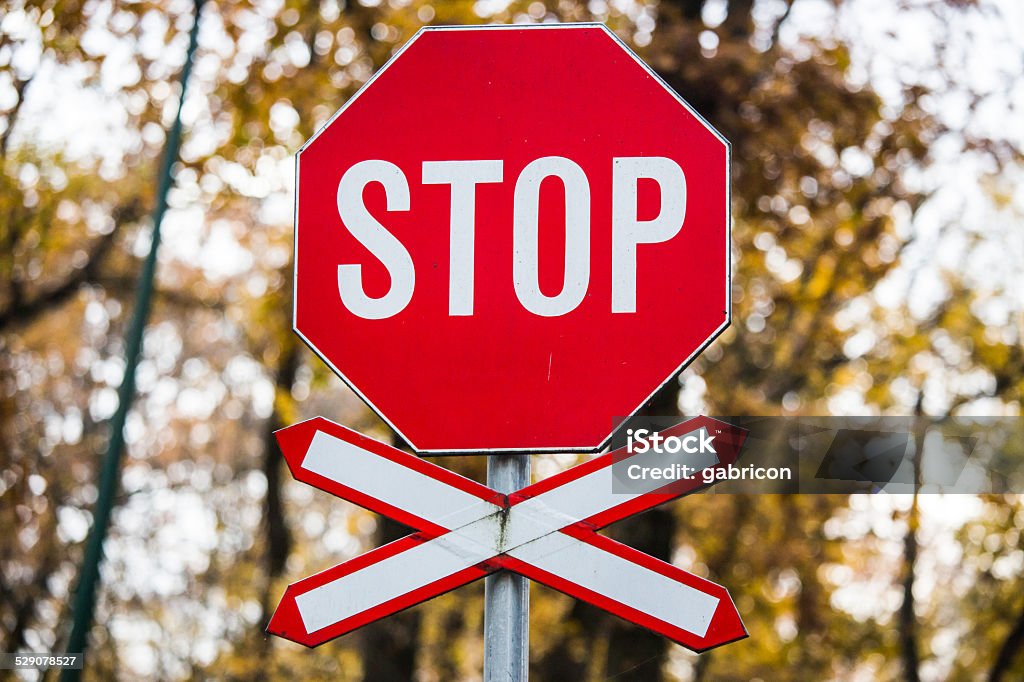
column 878, row 268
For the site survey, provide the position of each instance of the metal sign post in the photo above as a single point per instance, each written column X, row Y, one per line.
column 507, row 595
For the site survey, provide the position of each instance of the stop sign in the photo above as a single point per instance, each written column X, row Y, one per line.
column 511, row 237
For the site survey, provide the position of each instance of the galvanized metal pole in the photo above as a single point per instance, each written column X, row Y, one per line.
column 507, row 595
column 110, row 471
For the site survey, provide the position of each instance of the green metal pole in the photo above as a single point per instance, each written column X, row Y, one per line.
column 109, row 477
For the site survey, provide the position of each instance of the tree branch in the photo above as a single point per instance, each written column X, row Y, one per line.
column 781, row 20
column 691, row 9
column 20, row 86
column 739, row 22
column 22, row 310
column 182, row 299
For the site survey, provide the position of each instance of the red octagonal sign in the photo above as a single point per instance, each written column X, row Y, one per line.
column 511, row 237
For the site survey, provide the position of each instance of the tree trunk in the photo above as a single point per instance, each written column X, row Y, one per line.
column 909, row 652
column 907, row 618
column 277, row 535
column 1011, row 649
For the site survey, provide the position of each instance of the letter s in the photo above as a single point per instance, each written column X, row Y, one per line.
column 376, row 238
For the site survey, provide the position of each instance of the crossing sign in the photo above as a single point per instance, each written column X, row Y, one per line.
column 465, row 530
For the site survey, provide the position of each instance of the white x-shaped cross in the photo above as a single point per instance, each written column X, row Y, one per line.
column 546, row 531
